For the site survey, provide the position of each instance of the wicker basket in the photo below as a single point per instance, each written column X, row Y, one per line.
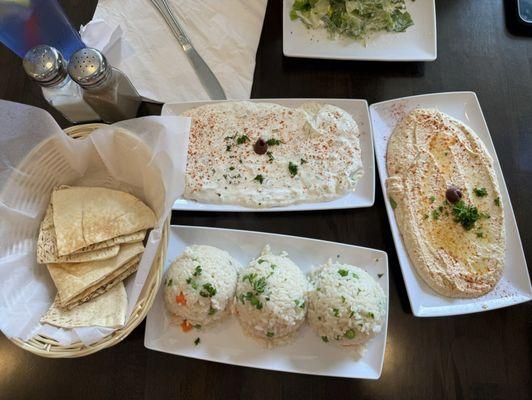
column 46, row 347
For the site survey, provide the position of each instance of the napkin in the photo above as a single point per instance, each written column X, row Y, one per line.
column 135, row 38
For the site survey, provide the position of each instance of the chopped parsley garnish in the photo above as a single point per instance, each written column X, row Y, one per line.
column 270, row 155
column 351, row 314
column 480, row 192
column 212, row 310
column 259, row 178
column 465, row 214
column 392, row 202
column 258, row 285
column 192, row 283
column 208, row 290
column 343, row 299
column 303, row 161
column 336, row 312
column 228, row 147
column 260, row 261
column 480, row 234
column 354, row 275
column 253, row 300
column 497, row 202
column 371, row 315
column 343, row 272
column 169, row 283
column 197, row 271
column 432, row 198
column 349, row 334
column 269, row 334
column 292, row 168
column 197, row 341
column 242, row 139
column 380, row 275
column 231, row 168
column 325, row 339
column 273, row 142
column 435, row 214
column 197, row 326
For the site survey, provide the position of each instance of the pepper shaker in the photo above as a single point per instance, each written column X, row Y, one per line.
column 105, row 88
column 46, row 66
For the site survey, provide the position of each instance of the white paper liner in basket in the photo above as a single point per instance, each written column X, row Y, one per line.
column 144, row 156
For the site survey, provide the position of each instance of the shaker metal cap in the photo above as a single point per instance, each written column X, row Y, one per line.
column 45, row 65
column 88, row 67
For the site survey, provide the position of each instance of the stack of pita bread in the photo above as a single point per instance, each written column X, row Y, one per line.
column 91, row 239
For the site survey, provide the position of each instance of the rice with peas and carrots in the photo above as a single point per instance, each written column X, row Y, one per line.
column 347, row 306
column 200, row 286
column 271, row 298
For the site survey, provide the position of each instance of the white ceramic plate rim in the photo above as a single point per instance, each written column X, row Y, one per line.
column 364, row 194
column 414, row 284
column 363, row 371
column 383, row 56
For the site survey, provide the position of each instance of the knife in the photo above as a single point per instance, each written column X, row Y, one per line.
column 207, row 78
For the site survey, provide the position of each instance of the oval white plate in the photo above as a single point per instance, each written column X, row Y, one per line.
column 514, row 286
column 227, row 344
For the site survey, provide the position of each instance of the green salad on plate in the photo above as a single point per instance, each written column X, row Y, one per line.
column 356, row 19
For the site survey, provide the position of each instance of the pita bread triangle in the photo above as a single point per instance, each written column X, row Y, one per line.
column 107, row 310
column 78, row 281
column 83, row 216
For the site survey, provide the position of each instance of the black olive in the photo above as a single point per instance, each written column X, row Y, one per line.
column 453, row 194
column 260, row 146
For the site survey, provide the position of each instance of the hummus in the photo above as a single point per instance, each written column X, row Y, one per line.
column 305, row 154
column 456, row 244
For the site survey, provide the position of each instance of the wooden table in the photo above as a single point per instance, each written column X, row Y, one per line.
column 479, row 356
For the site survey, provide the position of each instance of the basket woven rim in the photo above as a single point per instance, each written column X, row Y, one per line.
column 46, row 347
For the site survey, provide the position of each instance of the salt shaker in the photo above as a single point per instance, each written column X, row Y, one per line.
column 46, row 66
column 108, row 90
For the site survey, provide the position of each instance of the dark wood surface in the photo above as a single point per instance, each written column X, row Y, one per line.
column 479, row 356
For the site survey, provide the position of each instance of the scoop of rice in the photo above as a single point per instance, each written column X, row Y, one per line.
column 347, row 306
column 271, row 298
column 200, row 285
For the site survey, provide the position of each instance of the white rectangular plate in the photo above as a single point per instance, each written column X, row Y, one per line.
column 227, row 344
column 514, row 286
column 418, row 43
column 364, row 194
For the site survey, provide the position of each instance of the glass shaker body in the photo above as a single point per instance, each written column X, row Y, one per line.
column 106, row 89
column 67, row 98
column 115, row 99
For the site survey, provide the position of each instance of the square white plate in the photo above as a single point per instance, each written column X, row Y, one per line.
column 514, row 286
column 418, row 43
column 364, row 194
column 227, row 344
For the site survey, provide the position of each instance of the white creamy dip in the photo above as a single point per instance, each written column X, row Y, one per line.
column 313, row 154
